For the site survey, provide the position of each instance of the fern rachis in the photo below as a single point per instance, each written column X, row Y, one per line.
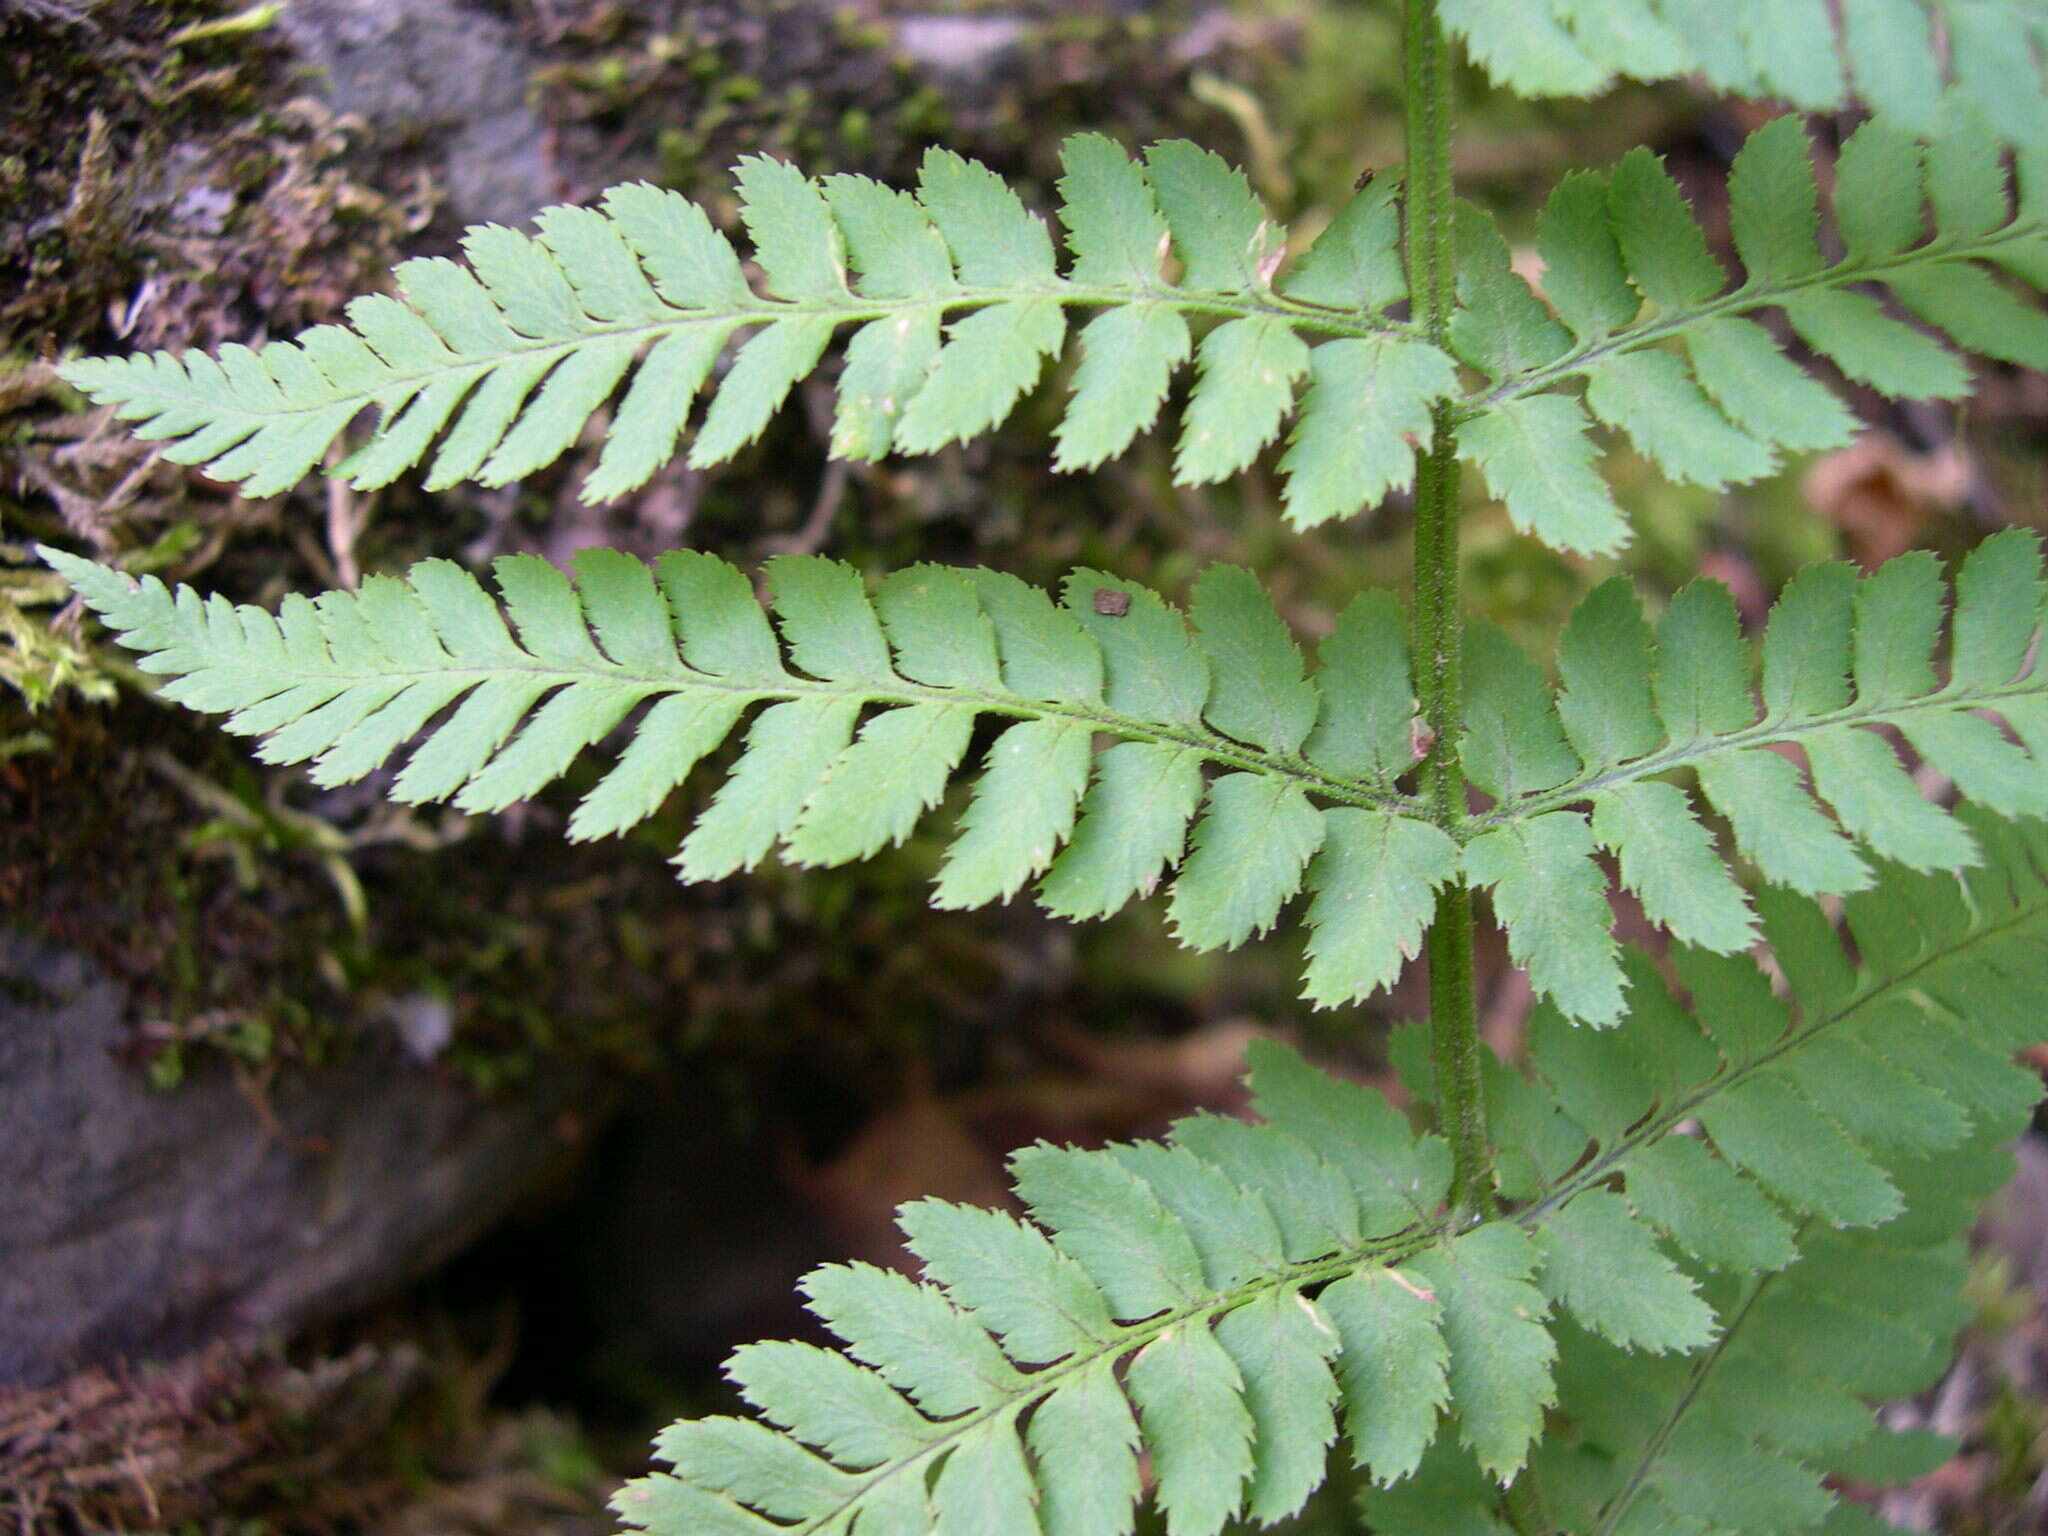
column 1650, row 1282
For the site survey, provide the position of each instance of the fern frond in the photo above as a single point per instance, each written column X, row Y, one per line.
column 1217, row 1302
column 1814, row 1096
column 496, row 367
column 1842, row 657
column 1885, row 54
column 861, row 713
column 1656, row 329
column 1223, row 1301
column 1257, row 782
column 1229, row 1300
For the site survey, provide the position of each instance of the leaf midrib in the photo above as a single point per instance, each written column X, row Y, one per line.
column 398, row 387
column 1761, row 734
column 1213, row 746
column 888, row 693
column 1696, row 1381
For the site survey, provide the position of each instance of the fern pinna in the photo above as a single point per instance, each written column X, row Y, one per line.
column 1651, row 1283
column 495, row 369
column 1256, row 782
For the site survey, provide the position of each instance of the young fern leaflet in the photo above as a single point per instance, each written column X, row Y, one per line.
column 1921, row 64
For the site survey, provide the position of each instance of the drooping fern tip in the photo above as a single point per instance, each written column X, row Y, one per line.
column 956, row 301
column 1136, row 742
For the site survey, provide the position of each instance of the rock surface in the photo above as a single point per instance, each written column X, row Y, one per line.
column 447, row 75
column 136, row 1224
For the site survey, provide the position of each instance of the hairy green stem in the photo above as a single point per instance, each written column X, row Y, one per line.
column 1426, row 66
column 1432, row 279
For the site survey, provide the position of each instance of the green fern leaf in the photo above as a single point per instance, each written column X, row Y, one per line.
column 1366, row 415
column 1501, row 328
column 1247, row 860
column 1743, row 1437
column 1529, row 48
column 1355, row 262
column 1257, row 783
column 1552, row 899
column 1840, row 656
column 1375, row 880
column 1128, row 356
column 1190, row 1399
column 1395, row 1367
column 855, row 736
column 955, row 304
column 1538, row 460
column 1282, row 1344
column 493, row 370
column 1249, row 370
column 1258, row 694
column 1500, row 1351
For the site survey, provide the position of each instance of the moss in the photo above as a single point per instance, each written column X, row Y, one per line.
column 162, row 193
column 375, row 1434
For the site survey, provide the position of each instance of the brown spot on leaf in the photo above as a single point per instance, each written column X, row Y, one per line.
column 1111, row 603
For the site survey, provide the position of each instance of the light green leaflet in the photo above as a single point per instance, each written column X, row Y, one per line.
column 950, row 295
column 1654, row 326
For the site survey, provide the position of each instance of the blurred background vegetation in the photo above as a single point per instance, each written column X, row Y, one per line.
column 761, row 1070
